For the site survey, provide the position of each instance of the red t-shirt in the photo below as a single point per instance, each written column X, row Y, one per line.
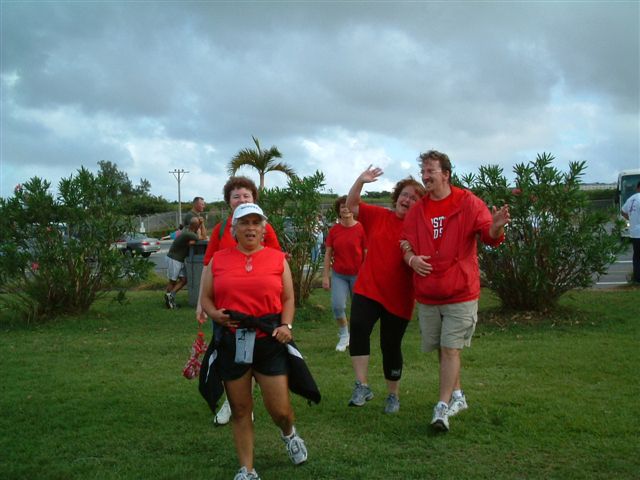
column 437, row 211
column 384, row 276
column 349, row 245
column 227, row 241
column 250, row 284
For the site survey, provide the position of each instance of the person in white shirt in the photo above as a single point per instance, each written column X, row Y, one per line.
column 631, row 211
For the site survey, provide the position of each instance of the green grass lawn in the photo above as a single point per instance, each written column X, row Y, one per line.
column 102, row 397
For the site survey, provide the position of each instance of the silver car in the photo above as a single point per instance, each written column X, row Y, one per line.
column 141, row 244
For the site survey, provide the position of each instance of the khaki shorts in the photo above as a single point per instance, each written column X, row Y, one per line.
column 450, row 326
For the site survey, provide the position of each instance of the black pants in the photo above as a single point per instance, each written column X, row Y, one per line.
column 636, row 259
column 364, row 315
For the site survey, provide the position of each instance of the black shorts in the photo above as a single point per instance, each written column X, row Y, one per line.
column 269, row 357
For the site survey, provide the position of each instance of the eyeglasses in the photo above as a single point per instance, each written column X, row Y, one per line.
column 408, row 195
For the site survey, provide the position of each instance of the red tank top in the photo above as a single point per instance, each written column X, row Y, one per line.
column 250, row 284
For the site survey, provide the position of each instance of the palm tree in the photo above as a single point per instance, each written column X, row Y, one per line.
column 262, row 160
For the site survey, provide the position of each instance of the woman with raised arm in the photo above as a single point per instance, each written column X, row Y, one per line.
column 384, row 288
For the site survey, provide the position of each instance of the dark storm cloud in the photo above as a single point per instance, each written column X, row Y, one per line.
column 167, row 79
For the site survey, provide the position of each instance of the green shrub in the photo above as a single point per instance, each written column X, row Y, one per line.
column 292, row 212
column 555, row 243
column 59, row 254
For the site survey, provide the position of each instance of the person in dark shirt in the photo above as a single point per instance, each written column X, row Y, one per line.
column 196, row 212
column 175, row 261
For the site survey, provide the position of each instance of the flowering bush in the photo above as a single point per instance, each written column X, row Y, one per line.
column 57, row 255
column 292, row 212
column 555, row 243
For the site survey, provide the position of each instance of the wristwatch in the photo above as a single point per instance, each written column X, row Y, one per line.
column 288, row 325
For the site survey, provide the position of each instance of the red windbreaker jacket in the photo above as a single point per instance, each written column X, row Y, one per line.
column 456, row 276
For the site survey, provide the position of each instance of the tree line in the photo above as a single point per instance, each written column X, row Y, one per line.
column 58, row 255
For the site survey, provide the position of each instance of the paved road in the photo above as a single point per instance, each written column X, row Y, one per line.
column 159, row 258
column 617, row 274
column 618, row 271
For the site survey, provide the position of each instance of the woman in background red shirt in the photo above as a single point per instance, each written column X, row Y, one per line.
column 345, row 251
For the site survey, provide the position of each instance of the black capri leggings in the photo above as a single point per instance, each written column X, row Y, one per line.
column 364, row 315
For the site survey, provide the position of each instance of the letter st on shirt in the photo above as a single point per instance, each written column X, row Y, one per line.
column 438, row 223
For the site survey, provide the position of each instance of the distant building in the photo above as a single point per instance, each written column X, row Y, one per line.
column 598, row 186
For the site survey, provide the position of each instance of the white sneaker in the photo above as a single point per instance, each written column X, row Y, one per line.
column 224, row 414
column 456, row 405
column 296, row 448
column 244, row 474
column 343, row 343
column 440, row 420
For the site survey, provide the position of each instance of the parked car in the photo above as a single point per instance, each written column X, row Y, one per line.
column 120, row 245
column 141, row 244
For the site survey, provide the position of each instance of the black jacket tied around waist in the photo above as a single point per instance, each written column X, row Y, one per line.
column 301, row 381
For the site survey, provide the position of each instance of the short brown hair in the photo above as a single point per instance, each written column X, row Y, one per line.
column 339, row 201
column 407, row 182
column 239, row 182
column 443, row 158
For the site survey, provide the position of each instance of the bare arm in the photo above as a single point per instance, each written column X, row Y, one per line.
column 326, row 271
column 207, row 301
column 368, row 176
column 202, row 230
column 201, row 316
column 282, row 333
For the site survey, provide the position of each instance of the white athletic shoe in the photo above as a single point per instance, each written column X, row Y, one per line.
column 343, row 343
column 224, row 414
column 456, row 405
column 296, row 449
column 440, row 420
column 244, row 474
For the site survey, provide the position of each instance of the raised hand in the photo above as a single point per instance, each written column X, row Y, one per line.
column 370, row 174
column 501, row 216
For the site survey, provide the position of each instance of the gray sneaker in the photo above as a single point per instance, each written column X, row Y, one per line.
column 361, row 394
column 456, row 405
column 296, row 449
column 440, row 420
column 244, row 474
column 391, row 404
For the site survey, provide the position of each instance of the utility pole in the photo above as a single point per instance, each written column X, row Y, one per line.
column 178, row 174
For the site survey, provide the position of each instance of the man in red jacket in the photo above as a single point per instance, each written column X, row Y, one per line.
column 441, row 233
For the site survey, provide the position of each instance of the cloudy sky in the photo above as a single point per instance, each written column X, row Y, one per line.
column 336, row 86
